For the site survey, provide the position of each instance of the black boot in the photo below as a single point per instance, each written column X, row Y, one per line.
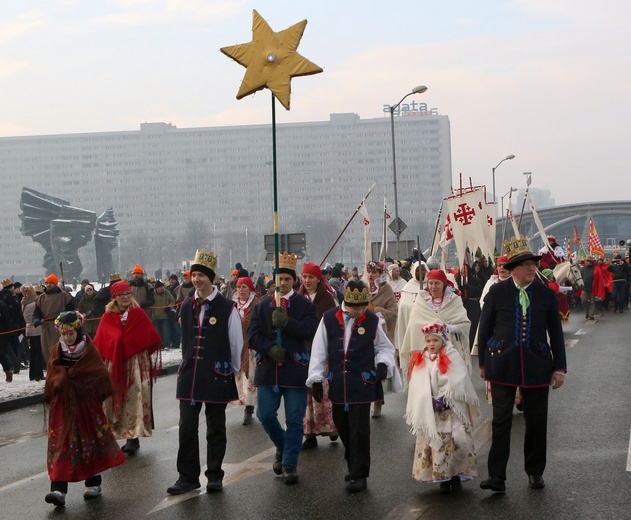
column 131, row 446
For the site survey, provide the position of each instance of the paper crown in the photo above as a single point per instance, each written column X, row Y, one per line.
column 287, row 261
column 7, row 282
column 114, row 277
column 516, row 246
column 355, row 297
column 206, row 259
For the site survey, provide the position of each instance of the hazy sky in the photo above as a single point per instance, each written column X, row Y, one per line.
column 546, row 80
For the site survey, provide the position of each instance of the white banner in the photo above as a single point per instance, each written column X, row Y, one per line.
column 511, row 215
column 364, row 213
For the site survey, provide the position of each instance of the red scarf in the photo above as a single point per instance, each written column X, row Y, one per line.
column 117, row 345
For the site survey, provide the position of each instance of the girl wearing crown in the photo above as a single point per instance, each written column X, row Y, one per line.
column 352, row 344
column 80, row 442
column 441, row 409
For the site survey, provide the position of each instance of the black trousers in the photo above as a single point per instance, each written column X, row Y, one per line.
column 188, row 465
column 535, row 407
column 353, row 427
column 94, row 480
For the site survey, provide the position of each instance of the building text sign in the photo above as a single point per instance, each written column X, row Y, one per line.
column 412, row 109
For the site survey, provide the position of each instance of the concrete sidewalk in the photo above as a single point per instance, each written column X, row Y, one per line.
column 11, row 404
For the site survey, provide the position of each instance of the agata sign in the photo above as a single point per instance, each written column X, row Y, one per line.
column 412, row 109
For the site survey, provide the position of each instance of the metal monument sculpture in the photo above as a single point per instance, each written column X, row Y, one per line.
column 63, row 229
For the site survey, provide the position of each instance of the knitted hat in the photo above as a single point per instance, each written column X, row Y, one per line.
column 137, row 270
column 234, row 272
column 186, row 273
column 547, row 273
column 245, row 280
column 52, row 278
column 437, row 274
column 173, row 277
column 502, row 259
column 119, row 287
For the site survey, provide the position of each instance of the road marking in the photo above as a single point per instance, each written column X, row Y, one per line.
column 26, row 480
column 570, row 343
column 6, row 440
column 581, row 332
column 406, row 512
column 234, row 472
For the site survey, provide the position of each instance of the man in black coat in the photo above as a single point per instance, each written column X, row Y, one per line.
column 282, row 366
column 518, row 316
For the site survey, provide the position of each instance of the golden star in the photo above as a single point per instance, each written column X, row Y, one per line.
column 271, row 59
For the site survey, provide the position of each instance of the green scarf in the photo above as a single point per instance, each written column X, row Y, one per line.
column 524, row 301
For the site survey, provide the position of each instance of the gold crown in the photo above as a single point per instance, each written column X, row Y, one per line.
column 357, row 297
column 206, row 258
column 516, row 246
column 114, row 277
column 287, row 261
column 6, row 282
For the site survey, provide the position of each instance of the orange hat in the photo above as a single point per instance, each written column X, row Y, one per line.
column 186, row 273
column 52, row 278
column 137, row 270
column 234, row 272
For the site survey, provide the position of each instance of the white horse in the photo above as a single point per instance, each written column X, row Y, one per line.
column 568, row 271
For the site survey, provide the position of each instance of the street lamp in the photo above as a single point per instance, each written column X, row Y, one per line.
column 397, row 223
column 507, row 158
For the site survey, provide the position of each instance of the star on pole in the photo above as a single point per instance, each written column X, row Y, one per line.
column 271, row 59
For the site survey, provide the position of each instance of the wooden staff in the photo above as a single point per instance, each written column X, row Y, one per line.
column 348, row 224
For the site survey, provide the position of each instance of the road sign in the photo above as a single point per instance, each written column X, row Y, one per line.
column 291, row 242
column 398, row 226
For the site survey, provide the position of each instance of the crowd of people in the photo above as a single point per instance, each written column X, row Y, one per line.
column 327, row 344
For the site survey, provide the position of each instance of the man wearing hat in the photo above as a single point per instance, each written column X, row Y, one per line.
column 48, row 306
column 518, row 317
column 281, row 369
column 141, row 290
column 212, row 341
column 351, row 348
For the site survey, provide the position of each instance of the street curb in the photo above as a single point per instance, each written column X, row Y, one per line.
column 30, row 400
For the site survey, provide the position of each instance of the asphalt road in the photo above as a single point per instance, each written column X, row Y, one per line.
column 587, row 476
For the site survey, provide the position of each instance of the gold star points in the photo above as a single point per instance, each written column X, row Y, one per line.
column 271, row 59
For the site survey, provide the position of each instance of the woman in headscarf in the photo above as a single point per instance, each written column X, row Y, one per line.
column 318, row 418
column 439, row 303
column 246, row 298
column 383, row 304
column 130, row 346
column 408, row 296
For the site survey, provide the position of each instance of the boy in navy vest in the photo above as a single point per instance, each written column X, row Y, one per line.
column 212, row 340
column 351, row 349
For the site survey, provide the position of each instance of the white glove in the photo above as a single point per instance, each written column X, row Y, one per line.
column 453, row 329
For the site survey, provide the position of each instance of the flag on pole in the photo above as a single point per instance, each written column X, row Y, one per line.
column 511, row 215
column 387, row 217
column 364, row 213
column 594, row 244
column 569, row 248
column 577, row 237
column 538, row 223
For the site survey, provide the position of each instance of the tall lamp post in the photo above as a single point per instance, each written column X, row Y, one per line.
column 397, row 223
column 507, row 158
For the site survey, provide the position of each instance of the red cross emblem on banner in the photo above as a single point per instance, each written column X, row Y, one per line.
column 464, row 214
column 366, row 222
column 489, row 219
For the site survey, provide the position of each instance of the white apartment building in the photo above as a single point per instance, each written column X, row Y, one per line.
column 217, row 183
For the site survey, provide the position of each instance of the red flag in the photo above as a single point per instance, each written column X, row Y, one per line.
column 577, row 237
column 594, row 244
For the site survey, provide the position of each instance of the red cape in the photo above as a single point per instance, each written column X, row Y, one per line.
column 117, row 345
